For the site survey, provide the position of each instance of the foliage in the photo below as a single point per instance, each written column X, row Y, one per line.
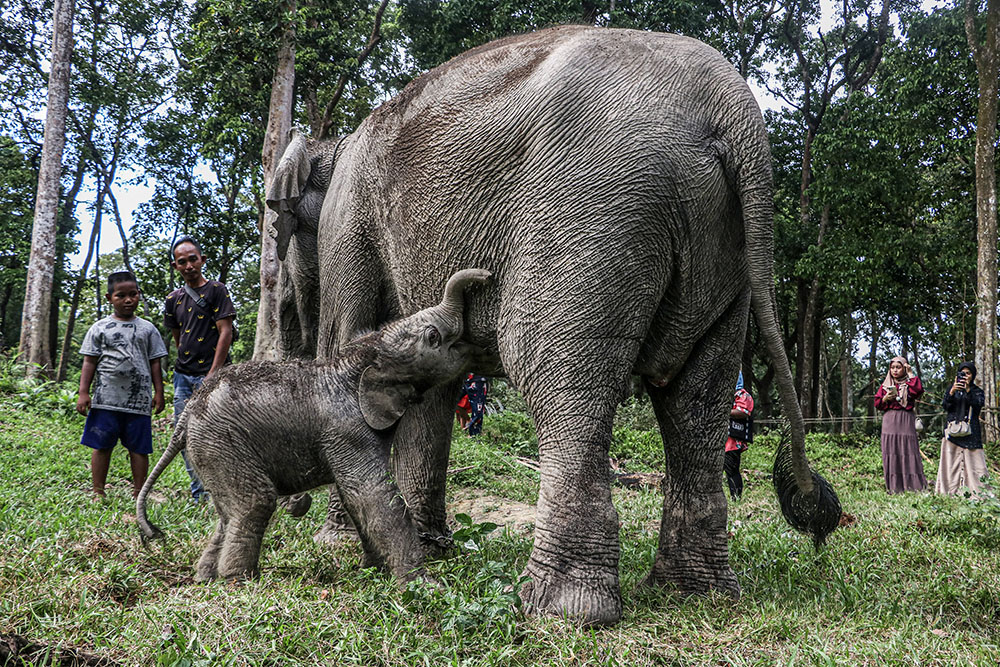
column 17, row 193
column 640, row 451
column 511, row 431
column 439, row 31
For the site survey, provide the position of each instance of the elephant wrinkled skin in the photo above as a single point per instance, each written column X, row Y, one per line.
column 258, row 430
column 618, row 185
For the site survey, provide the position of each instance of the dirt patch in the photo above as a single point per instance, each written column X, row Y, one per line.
column 100, row 547
column 518, row 517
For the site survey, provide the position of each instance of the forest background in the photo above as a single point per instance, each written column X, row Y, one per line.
column 873, row 145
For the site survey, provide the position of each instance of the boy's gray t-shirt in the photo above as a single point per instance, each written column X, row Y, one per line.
column 122, row 381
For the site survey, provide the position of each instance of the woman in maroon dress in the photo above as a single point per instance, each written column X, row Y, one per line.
column 901, row 463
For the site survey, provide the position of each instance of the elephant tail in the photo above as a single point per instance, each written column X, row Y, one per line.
column 808, row 502
column 178, row 441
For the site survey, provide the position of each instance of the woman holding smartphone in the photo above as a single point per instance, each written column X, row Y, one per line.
column 963, row 462
column 896, row 397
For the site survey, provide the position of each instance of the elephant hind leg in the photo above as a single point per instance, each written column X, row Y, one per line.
column 239, row 557
column 693, row 552
column 574, row 563
column 208, row 565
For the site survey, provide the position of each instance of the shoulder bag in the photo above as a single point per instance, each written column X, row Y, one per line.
column 201, row 303
column 959, row 428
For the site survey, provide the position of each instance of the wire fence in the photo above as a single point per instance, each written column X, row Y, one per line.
column 932, row 415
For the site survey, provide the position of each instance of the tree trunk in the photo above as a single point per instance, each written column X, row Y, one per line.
column 822, row 395
column 846, row 358
column 279, row 127
column 809, row 333
column 985, row 55
column 873, row 379
column 34, row 343
column 78, row 290
column 8, row 290
column 98, row 292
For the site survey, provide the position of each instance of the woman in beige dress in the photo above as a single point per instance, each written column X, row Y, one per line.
column 963, row 462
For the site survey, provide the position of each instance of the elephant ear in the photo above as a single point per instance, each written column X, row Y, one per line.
column 287, row 185
column 382, row 403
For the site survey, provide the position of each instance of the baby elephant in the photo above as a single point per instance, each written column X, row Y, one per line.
column 259, row 430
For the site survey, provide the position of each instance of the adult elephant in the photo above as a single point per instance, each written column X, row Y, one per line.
column 618, row 186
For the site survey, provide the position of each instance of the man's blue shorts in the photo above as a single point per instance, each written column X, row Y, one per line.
column 105, row 427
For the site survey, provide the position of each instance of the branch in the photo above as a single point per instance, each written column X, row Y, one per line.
column 781, row 95
column 970, row 30
column 373, row 40
column 118, row 223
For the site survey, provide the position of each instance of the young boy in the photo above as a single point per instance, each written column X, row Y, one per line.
column 202, row 331
column 123, row 352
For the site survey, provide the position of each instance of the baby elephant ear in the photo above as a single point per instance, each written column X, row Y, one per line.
column 382, row 403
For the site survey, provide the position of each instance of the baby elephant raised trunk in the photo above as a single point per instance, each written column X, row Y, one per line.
column 452, row 307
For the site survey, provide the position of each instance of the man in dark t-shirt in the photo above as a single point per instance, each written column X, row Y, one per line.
column 202, row 329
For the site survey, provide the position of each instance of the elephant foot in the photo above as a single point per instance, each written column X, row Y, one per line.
column 201, row 577
column 695, row 576
column 336, row 534
column 586, row 602
column 296, row 505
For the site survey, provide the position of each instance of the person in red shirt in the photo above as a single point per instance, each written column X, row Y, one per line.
column 902, row 466
column 740, row 437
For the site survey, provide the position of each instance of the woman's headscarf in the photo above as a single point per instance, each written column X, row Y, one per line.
column 972, row 369
column 902, row 390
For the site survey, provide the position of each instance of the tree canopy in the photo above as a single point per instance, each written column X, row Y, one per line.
column 873, row 139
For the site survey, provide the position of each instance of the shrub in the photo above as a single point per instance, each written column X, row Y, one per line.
column 637, row 450
column 512, row 432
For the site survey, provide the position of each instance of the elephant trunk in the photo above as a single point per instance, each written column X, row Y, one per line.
column 452, row 306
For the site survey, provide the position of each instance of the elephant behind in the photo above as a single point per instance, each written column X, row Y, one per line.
column 618, row 186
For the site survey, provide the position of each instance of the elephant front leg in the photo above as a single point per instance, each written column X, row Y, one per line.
column 693, row 552
column 377, row 510
column 420, row 451
column 574, row 563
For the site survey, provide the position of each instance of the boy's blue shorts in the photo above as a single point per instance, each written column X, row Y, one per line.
column 105, row 427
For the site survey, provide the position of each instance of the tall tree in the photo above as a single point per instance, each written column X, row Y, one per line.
column 818, row 68
column 983, row 43
column 35, row 343
column 279, row 127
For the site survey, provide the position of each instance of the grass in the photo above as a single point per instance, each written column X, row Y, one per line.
column 914, row 581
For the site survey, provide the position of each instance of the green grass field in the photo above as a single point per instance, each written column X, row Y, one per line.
column 915, row 580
